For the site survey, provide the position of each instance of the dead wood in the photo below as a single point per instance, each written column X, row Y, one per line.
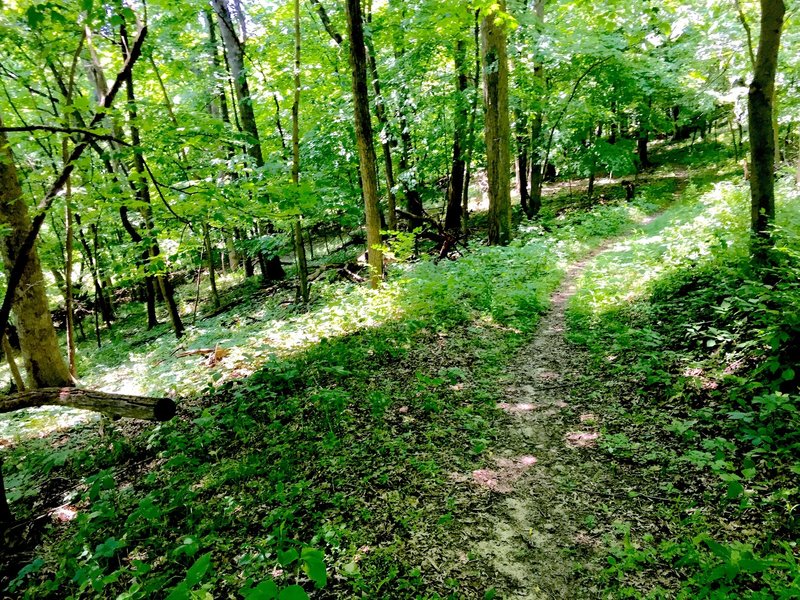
column 115, row 405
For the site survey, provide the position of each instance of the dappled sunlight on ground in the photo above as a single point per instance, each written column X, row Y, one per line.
column 582, row 439
column 501, row 479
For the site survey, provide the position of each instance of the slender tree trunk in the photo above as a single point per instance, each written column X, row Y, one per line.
column 143, row 196
column 16, row 376
column 495, row 85
column 537, row 125
column 476, row 77
column 68, row 262
column 233, row 256
column 455, row 187
column 41, row 354
column 235, row 51
column 386, row 140
column 212, row 277
column 760, row 102
column 366, row 151
column 299, row 245
column 522, row 162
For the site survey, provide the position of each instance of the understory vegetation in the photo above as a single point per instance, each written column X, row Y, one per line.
column 707, row 347
column 266, row 475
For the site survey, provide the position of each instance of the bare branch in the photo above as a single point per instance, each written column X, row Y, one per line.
column 71, row 130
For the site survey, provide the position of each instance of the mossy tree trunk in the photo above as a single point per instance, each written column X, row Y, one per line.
column 42, row 359
column 495, row 93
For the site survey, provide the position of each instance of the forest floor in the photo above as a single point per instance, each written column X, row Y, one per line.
column 546, row 420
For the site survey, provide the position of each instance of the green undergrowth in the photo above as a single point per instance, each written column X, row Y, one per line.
column 707, row 346
column 331, row 465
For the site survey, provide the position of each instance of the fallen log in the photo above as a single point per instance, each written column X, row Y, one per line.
column 115, row 405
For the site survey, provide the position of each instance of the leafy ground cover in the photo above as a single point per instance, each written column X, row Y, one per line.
column 705, row 350
column 338, row 450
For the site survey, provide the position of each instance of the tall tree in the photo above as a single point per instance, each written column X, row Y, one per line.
column 142, row 189
column 42, row 358
column 761, row 99
column 235, row 54
column 495, row 94
column 455, row 187
column 366, row 151
column 299, row 244
column 534, row 198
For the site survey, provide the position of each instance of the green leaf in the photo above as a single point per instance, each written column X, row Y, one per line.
column 314, row 566
column 287, row 558
column 293, row 592
column 195, row 573
column 107, row 548
column 735, row 489
column 266, row 590
column 35, row 16
column 717, row 549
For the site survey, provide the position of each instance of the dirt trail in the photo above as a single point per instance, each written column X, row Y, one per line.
column 546, row 472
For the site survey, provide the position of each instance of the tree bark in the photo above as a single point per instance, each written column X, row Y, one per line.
column 41, row 354
column 760, row 102
column 495, row 85
column 537, row 124
column 455, row 187
column 385, row 138
column 234, row 52
column 212, row 276
column 476, row 78
column 366, row 151
column 299, row 245
column 115, row 405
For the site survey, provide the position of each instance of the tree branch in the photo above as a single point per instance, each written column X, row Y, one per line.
column 116, row 405
column 326, row 22
column 748, row 31
column 53, row 129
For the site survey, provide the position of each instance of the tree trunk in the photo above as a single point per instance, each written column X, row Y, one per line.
column 299, row 245
column 760, row 101
column 212, row 277
column 386, row 140
column 68, row 262
column 272, row 269
column 495, row 85
column 476, row 77
column 366, row 151
column 115, row 405
column 522, row 163
column 233, row 256
column 535, row 151
column 16, row 376
column 143, row 195
column 40, row 351
column 455, row 187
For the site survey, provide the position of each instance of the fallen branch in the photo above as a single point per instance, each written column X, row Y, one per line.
column 194, row 352
column 115, row 405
